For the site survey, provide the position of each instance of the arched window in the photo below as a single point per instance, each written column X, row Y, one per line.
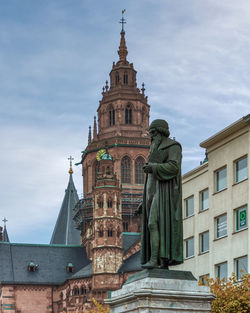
column 125, row 78
column 100, row 231
column 97, row 169
column 109, row 203
column 126, row 170
column 117, row 79
column 125, row 226
column 143, row 115
column 118, row 232
column 108, row 171
column 110, row 232
column 83, row 290
column 100, row 204
column 111, row 116
column 139, row 174
column 76, row 291
column 128, row 114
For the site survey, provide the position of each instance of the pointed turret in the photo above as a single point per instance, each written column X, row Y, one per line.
column 123, row 52
column 5, row 235
column 65, row 231
column 95, row 129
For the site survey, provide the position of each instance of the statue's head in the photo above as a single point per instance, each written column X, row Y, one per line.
column 159, row 126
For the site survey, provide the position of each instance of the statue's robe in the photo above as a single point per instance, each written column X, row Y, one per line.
column 168, row 201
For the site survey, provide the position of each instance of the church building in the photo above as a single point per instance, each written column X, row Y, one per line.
column 96, row 240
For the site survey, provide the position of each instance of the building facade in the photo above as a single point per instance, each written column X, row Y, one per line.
column 216, row 203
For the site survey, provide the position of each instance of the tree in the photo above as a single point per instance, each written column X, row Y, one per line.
column 99, row 308
column 232, row 296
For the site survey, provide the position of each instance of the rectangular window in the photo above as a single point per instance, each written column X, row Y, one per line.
column 221, row 179
column 241, row 266
column 241, row 169
column 204, row 200
column 189, row 247
column 203, row 279
column 240, row 218
column 221, row 226
column 221, row 270
column 189, row 206
column 204, row 242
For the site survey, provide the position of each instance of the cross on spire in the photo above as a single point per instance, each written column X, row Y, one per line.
column 70, row 164
column 122, row 20
column 5, row 220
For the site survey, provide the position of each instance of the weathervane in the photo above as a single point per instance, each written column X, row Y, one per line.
column 70, row 164
column 5, row 220
column 122, row 20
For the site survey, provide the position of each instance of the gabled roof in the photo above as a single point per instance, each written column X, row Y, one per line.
column 5, row 235
column 51, row 260
column 65, row 231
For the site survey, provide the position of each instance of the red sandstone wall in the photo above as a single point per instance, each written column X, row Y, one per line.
column 33, row 299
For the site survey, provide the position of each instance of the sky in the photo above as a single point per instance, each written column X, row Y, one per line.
column 55, row 57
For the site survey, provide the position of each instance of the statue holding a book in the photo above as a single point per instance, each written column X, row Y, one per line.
column 161, row 209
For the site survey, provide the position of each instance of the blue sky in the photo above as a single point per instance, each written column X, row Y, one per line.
column 55, row 56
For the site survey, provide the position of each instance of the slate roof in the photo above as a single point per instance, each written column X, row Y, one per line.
column 51, row 259
column 129, row 239
column 65, row 232
column 5, row 235
column 133, row 263
column 84, row 272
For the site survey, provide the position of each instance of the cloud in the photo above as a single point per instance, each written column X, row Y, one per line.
column 55, row 57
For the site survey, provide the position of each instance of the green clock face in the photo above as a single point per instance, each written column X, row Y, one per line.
column 100, row 153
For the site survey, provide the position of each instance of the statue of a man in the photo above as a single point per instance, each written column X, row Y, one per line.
column 161, row 209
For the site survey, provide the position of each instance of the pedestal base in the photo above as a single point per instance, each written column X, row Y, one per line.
column 157, row 295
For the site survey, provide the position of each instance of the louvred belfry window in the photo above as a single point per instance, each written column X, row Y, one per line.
column 111, row 116
column 139, row 174
column 117, row 79
column 126, row 170
column 125, row 78
column 128, row 114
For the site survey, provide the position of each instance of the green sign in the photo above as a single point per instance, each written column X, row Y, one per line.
column 243, row 218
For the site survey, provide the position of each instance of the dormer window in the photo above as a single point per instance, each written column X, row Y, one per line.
column 125, row 79
column 70, row 268
column 128, row 114
column 32, row 267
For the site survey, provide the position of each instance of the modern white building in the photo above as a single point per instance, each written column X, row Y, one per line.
column 215, row 205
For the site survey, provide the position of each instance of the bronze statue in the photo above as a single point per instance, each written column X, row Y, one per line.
column 161, row 209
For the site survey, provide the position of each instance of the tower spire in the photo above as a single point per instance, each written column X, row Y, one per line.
column 70, row 164
column 89, row 140
column 122, row 48
column 95, row 129
column 5, row 236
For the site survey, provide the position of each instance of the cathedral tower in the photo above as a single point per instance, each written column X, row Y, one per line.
column 121, row 128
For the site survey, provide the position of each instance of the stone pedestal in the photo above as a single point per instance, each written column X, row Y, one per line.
column 157, row 291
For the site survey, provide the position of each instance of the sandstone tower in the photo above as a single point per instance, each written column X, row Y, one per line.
column 112, row 169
